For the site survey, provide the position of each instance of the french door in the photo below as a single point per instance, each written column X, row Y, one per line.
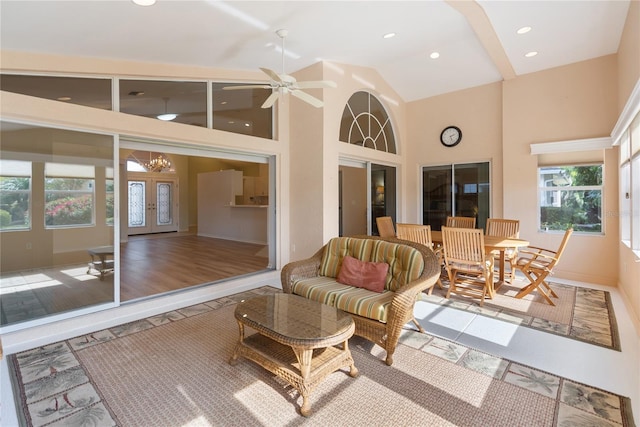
column 152, row 204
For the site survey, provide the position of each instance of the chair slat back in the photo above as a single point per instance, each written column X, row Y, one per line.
column 415, row 232
column 385, row 226
column 463, row 245
column 461, row 221
column 503, row 227
column 563, row 245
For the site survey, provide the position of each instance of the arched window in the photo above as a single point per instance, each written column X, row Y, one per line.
column 366, row 123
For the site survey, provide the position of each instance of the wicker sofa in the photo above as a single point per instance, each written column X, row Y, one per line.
column 379, row 317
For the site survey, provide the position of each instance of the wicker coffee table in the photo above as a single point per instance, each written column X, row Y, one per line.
column 299, row 340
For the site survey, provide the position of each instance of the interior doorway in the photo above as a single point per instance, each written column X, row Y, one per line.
column 366, row 191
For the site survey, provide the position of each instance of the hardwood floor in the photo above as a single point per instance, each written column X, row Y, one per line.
column 150, row 265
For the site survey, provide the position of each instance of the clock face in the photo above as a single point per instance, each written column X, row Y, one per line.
column 450, row 136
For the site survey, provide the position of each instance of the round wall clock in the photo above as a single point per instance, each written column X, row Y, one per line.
column 451, row 136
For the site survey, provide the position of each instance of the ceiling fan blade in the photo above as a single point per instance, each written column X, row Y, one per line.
column 246, row 87
column 271, row 99
column 272, row 74
column 316, row 84
column 307, row 98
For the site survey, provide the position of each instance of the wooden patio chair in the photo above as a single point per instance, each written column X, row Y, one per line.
column 419, row 233
column 537, row 264
column 461, row 221
column 470, row 269
column 505, row 228
column 385, row 226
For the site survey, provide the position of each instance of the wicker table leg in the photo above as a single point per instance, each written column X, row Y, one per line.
column 304, row 358
column 233, row 360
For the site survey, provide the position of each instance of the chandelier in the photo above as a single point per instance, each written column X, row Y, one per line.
column 157, row 164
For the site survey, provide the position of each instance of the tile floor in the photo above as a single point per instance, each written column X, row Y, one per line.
column 617, row 372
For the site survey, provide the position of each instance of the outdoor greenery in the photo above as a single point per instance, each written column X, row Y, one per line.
column 68, row 201
column 14, row 202
column 579, row 189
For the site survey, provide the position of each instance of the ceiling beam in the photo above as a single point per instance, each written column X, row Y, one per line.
column 479, row 21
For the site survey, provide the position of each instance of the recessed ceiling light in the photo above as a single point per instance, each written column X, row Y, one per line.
column 389, row 35
column 144, row 2
column 223, row 103
column 434, row 55
column 531, row 54
column 247, row 124
column 523, row 30
column 64, row 98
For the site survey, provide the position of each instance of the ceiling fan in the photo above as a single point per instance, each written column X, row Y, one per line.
column 284, row 83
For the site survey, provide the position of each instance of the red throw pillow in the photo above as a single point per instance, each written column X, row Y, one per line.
column 362, row 274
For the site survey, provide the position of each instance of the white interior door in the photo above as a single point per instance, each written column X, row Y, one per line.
column 152, row 204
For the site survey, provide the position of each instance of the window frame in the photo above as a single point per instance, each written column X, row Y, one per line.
column 79, row 192
column 28, row 192
column 570, row 188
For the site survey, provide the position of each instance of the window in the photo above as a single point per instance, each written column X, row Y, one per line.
column 631, row 198
column 15, row 192
column 240, row 111
column 176, row 101
column 90, row 92
column 571, row 196
column 69, row 194
column 237, row 111
column 366, row 123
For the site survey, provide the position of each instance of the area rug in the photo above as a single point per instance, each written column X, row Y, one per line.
column 582, row 314
column 173, row 370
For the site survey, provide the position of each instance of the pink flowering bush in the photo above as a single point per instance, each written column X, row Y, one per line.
column 69, row 211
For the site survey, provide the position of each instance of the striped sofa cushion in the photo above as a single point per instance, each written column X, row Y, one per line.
column 372, row 305
column 321, row 289
column 338, row 248
column 405, row 263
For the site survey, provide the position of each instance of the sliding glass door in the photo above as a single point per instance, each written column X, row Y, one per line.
column 57, row 229
column 456, row 190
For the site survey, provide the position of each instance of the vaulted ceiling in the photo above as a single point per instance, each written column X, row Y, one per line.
column 476, row 40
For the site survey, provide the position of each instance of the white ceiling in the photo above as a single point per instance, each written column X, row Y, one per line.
column 241, row 35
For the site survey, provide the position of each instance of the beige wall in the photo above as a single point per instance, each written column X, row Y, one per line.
column 567, row 103
column 499, row 122
column 316, row 151
column 478, row 113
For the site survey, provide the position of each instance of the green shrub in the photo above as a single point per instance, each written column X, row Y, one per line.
column 5, row 218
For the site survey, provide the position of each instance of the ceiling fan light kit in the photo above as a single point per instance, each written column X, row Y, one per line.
column 285, row 83
column 167, row 117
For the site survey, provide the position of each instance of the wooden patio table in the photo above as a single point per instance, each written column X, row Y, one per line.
column 491, row 243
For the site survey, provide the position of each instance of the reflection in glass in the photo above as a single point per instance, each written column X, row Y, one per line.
column 240, row 111
column 456, row 190
column 155, row 98
column 44, row 268
column 89, row 92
